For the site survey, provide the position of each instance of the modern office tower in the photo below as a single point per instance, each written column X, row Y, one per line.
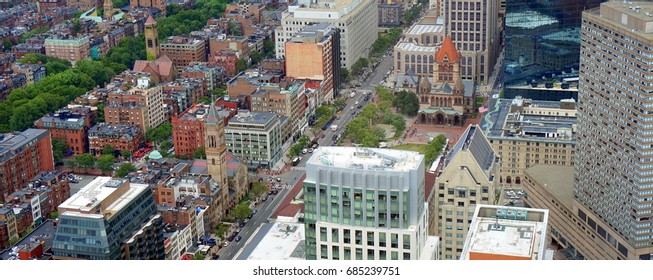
column 507, row 233
column 110, row 219
column 366, row 204
column 614, row 170
column 356, row 19
column 526, row 132
column 542, row 39
column 313, row 54
column 469, row 177
column 472, row 24
column 151, row 39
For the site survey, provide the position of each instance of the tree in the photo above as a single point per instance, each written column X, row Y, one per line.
column 199, row 256
column 219, row 91
column 160, row 133
column 200, row 153
column 434, row 149
column 59, row 149
column 165, row 146
column 173, row 9
column 100, row 115
column 72, row 164
column 96, row 70
column 54, row 215
column 125, row 169
column 108, row 150
column 55, row 67
column 85, row 161
column 256, row 57
column 7, row 44
column 259, row 189
column 344, row 74
column 105, row 163
column 359, row 66
column 407, row 103
column 126, row 154
column 235, row 28
column 268, row 47
column 241, row 65
column 242, row 211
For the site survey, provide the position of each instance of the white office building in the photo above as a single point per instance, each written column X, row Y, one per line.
column 366, row 204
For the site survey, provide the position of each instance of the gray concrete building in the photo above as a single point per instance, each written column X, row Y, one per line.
column 255, row 138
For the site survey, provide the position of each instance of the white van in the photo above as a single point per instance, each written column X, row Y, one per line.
column 352, row 94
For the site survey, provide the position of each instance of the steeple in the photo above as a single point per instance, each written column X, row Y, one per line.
column 108, row 10
column 151, row 39
column 215, row 146
column 447, row 51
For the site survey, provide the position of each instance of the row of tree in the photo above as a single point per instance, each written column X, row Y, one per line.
column 63, row 84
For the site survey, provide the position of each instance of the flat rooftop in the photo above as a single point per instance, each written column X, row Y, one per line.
column 560, row 186
column 418, row 29
column 247, row 117
column 412, row 47
column 13, row 143
column 276, row 241
column 366, row 158
column 95, row 192
column 507, row 231
column 43, row 233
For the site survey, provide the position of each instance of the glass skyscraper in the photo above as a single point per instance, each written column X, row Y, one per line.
column 542, row 39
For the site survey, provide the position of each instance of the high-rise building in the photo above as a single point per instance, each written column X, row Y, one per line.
column 614, row 173
column 541, row 39
column 255, row 138
column 356, row 19
column 216, row 147
column 507, row 233
column 314, row 54
column 184, row 50
column 110, row 219
column 366, row 204
column 23, row 155
column 472, row 24
column 151, row 39
column 469, row 177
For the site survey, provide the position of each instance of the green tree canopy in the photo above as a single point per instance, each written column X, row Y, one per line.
column 125, row 169
column 85, row 161
column 126, row 154
column 160, row 133
column 259, row 188
column 108, row 150
column 59, row 149
column 105, row 163
column 242, row 211
column 200, row 153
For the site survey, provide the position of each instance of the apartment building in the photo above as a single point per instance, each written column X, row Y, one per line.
column 285, row 99
column 188, row 127
column 140, row 106
column 69, row 125
column 356, row 19
column 313, row 54
column 468, row 178
column 23, row 155
column 183, row 50
column 71, row 49
column 120, row 137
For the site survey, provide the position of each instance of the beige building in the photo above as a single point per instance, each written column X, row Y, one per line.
column 469, row 177
column 140, row 106
column 285, row 99
column 310, row 56
column 356, row 19
column 555, row 193
column 473, row 25
column 72, row 50
column 527, row 132
column 614, row 174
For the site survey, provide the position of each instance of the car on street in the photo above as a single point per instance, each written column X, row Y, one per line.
column 304, row 151
column 255, row 211
column 310, row 150
column 225, row 244
column 238, row 238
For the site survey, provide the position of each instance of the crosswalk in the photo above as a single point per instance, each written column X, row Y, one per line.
column 298, row 168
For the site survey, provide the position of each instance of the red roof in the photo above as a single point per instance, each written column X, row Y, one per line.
column 429, row 183
column 313, row 84
column 286, row 208
column 448, row 50
column 150, row 20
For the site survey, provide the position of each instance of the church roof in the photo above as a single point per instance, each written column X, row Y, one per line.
column 448, row 50
column 444, row 87
column 150, row 20
column 213, row 117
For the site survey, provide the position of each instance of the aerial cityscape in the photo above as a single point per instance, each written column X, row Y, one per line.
column 326, row 130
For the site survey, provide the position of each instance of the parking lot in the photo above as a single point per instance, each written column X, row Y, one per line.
column 74, row 187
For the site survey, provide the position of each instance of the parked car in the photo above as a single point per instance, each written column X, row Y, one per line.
column 255, row 211
column 238, row 238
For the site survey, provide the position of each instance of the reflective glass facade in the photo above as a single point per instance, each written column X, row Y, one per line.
column 542, row 39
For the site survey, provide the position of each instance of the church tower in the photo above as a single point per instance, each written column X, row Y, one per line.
column 215, row 147
column 108, row 10
column 151, row 39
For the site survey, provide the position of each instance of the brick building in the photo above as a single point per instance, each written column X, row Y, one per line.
column 8, row 228
column 120, row 137
column 70, row 126
column 33, row 72
column 213, row 75
column 158, row 4
column 188, row 128
column 238, row 45
column 183, row 50
column 23, row 155
column 161, row 70
column 225, row 60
